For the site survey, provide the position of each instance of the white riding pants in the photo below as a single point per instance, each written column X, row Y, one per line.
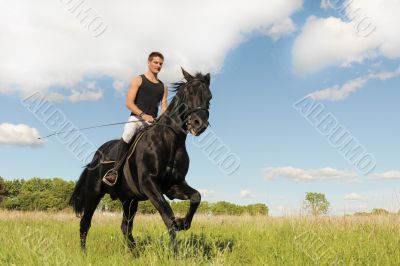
column 131, row 128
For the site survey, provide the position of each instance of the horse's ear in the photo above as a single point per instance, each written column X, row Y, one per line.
column 187, row 76
column 207, row 78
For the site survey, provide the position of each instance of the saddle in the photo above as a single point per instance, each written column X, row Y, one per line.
column 111, row 157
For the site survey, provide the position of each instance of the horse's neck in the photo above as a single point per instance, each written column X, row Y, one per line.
column 173, row 118
column 173, row 115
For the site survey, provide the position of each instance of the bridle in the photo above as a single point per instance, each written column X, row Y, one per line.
column 195, row 109
column 187, row 112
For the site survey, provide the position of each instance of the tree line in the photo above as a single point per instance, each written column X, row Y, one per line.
column 52, row 194
column 316, row 204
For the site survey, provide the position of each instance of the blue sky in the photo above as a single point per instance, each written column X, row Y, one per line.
column 259, row 70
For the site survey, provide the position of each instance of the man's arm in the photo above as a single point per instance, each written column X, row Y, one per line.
column 164, row 101
column 131, row 95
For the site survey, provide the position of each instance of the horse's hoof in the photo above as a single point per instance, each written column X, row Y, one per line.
column 181, row 224
column 131, row 245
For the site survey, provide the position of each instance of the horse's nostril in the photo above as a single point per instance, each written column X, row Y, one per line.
column 196, row 122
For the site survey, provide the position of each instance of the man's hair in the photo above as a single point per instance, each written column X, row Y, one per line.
column 155, row 54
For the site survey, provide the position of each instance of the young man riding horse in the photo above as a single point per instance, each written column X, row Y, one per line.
column 158, row 163
column 143, row 98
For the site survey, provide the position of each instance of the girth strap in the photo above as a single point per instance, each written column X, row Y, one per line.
column 133, row 184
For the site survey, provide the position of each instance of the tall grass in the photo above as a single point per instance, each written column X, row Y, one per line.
column 37, row 238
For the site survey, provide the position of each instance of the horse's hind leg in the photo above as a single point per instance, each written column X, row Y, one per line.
column 130, row 208
column 90, row 206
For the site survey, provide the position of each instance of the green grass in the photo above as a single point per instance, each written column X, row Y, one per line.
column 36, row 238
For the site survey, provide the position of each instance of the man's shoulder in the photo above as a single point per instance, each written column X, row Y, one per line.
column 137, row 80
column 139, row 77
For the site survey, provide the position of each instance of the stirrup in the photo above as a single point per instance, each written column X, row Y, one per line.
column 108, row 182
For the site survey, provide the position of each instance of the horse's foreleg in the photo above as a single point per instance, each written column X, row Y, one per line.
column 154, row 194
column 183, row 191
column 130, row 208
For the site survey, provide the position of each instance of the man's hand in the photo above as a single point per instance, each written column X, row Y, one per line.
column 148, row 118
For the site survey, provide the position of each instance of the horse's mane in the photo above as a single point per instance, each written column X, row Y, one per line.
column 177, row 86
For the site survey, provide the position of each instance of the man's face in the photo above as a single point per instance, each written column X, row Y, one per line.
column 155, row 64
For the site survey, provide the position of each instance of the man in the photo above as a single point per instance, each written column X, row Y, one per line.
column 143, row 98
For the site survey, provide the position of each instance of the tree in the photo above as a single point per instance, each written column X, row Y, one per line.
column 374, row 212
column 223, row 207
column 180, row 207
column 380, row 212
column 53, row 195
column 107, row 204
column 257, row 209
column 316, row 203
column 205, row 208
column 13, row 187
column 37, row 194
column 146, row 207
column 3, row 189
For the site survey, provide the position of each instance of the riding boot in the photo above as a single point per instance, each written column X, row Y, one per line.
column 111, row 177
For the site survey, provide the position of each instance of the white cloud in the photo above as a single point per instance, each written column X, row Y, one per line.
column 90, row 93
column 206, row 193
column 353, row 197
column 337, row 93
column 326, row 4
column 330, row 41
column 91, row 85
column 363, row 29
column 388, row 175
column 277, row 31
column 327, row 173
column 19, row 135
column 44, row 45
column 387, row 75
column 118, row 85
column 6, row 90
column 75, row 96
column 298, row 174
column 245, row 194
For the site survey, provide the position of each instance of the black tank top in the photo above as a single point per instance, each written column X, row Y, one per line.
column 149, row 96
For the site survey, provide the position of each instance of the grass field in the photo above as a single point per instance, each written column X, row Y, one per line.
column 36, row 238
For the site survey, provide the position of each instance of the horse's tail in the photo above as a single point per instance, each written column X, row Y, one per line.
column 77, row 200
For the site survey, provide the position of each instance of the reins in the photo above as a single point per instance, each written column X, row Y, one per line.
column 105, row 125
column 187, row 112
column 85, row 128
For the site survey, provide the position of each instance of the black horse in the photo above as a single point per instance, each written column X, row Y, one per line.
column 158, row 164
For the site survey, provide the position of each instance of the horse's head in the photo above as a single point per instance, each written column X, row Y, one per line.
column 195, row 95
